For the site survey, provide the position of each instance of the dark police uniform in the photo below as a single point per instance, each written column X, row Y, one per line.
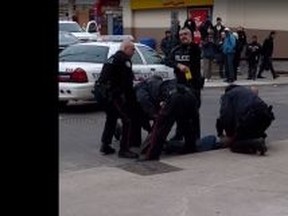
column 189, row 55
column 243, row 116
column 117, row 79
column 180, row 105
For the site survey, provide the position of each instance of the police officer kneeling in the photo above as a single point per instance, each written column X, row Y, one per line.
column 244, row 117
column 177, row 103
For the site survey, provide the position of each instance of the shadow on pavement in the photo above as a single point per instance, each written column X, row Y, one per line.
column 80, row 108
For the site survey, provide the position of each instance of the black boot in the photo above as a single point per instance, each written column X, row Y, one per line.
column 127, row 154
column 107, row 149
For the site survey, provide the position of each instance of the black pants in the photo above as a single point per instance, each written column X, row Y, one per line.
column 131, row 127
column 110, row 124
column 252, row 69
column 196, row 120
column 181, row 108
column 160, row 131
column 266, row 64
column 247, row 146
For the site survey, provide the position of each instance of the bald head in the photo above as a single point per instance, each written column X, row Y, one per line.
column 254, row 90
column 128, row 47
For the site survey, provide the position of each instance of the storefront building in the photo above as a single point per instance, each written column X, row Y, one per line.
column 150, row 18
column 108, row 14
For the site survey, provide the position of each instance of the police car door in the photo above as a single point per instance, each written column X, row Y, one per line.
column 139, row 66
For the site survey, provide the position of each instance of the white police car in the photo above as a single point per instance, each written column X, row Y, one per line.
column 80, row 66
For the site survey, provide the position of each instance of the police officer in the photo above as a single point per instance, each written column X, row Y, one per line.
column 147, row 93
column 186, row 61
column 117, row 79
column 244, row 117
column 177, row 103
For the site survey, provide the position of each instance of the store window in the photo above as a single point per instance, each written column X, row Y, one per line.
column 199, row 15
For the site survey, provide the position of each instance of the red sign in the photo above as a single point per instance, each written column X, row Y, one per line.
column 199, row 15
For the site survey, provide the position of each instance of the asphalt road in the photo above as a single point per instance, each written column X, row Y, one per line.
column 80, row 128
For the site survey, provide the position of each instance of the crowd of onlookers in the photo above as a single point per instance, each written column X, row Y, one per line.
column 226, row 48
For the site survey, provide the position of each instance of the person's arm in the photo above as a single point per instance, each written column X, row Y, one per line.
column 170, row 60
column 163, row 46
column 144, row 99
column 227, row 112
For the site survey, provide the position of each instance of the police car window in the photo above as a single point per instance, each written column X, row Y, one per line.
column 84, row 53
column 150, row 55
column 136, row 58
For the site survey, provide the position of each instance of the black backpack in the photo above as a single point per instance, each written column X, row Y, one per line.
column 101, row 90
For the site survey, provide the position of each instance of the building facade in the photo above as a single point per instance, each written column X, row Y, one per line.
column 151, row 18
column 108, row 14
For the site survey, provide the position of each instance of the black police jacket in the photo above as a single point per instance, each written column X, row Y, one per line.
column 117, row 77
column 189, row 55
column 147, row 93
column 180, row 100
column 235, row 103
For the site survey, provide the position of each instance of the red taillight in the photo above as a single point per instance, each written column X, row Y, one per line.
column 79, row 76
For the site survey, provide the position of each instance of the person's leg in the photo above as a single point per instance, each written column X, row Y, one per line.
column 178, row 136
column 231, row 72
column 109, row 129
column 262, row 67
column 226, row 66
column 254, row 70
column 209, row 69
column 190, row 137
column 221, row 66
column 236, row 62
column 270, row 66
column 249, row 146
column 205, row 67
column 127, row 130
column 250, row 70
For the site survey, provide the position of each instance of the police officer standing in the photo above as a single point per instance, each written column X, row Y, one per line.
column 117, row 79
column 185, row 59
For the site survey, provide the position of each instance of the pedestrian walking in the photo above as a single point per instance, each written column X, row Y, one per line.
column 266, row 57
